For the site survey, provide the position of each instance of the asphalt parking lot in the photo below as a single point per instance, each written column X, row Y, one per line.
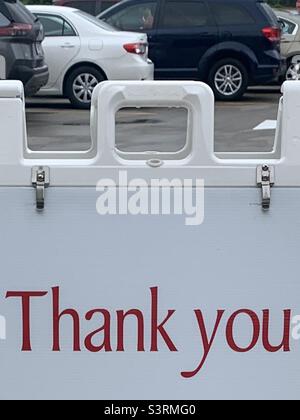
column 53, row 125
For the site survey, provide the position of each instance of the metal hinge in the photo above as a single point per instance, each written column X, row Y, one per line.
column 266, row 180
column 40, row 181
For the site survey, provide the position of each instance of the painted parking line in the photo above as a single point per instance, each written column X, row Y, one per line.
column 266, row 125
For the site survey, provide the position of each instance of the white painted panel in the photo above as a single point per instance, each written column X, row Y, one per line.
column 238, row 258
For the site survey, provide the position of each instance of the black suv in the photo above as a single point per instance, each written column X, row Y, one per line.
column 228, row 43
column 21, row 53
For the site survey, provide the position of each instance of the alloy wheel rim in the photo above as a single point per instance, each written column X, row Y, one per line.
column 228, row 80
column 293, row 72
column 83, row 87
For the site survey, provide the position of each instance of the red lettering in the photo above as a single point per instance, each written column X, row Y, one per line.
column 230, row 328
column 207, row 343
column 57, row 315
column 121, row 316
column 159, row 328
column 285, row 344
column 106, row 345
column 26, row 296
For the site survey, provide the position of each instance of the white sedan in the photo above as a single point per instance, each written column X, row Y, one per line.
column 82, row 51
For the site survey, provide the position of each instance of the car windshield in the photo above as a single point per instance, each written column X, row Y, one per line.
column 96, row 21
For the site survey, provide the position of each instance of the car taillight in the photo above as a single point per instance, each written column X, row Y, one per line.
column 139, row 48
column 16, row 29
column 272, row 33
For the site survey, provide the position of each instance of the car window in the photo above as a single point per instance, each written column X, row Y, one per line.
column 287, row 27
column 138, row 17
column 68, row 30
column 3, row 21
column 55, row 26
column 231, row 14
column 185, row 14
column 85, row 6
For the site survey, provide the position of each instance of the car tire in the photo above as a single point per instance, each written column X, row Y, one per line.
column 80, row 85
column 228, row 79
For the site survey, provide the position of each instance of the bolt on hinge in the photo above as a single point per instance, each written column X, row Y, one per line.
column 40, row 181
column 266, row 180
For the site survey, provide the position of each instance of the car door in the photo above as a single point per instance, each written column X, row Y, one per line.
column 289, row 33
column 185, row 31
column 61, row 45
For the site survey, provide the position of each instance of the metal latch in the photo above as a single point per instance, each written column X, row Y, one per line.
column 40, row 181
column 266, row 180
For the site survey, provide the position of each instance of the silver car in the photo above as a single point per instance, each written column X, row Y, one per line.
column 290, row 44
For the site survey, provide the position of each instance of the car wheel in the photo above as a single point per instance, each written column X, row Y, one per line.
column 228, row 79
column 293, row 71
column 80, row 85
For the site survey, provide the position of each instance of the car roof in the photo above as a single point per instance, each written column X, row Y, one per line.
column 51, row 9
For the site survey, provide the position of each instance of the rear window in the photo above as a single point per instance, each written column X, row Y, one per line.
column 18, row 12
column 3, row 21
column 231, row 14
column 268, row 12
column 185, row 14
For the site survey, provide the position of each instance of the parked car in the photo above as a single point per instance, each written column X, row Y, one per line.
column 230, row 44
column 21, row 53
column 93, row 7
column 290, row 42
column 82, row 51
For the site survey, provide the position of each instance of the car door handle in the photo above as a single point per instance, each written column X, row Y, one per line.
column 68, row 46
